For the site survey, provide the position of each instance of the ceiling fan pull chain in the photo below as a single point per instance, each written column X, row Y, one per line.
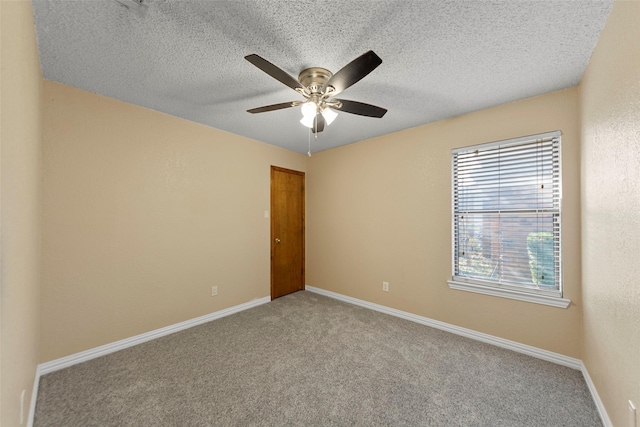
column 315, row 126
column 309, row 152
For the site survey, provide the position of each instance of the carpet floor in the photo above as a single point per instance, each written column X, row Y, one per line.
column 308, row 360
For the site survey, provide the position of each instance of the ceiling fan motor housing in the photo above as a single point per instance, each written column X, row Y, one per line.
column 315, row 79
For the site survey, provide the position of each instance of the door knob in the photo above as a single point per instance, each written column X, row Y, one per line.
column 277, row 240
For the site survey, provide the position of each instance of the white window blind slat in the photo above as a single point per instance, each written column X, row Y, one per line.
column 506, row 213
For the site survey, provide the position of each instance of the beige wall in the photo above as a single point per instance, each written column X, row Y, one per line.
column 610, row 110
column 20, row 202
column 142, row 214
column 380, row 210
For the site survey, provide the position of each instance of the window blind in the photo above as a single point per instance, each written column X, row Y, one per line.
column 506, row 213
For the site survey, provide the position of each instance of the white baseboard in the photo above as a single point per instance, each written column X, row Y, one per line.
column 34, row 397
column 549, row 356
column 64, row 362
column 606, row 421
column 83, row 356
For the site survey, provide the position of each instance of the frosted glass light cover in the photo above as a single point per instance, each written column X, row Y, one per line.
column 329, row 115
column 309, row 109
column 308, row 121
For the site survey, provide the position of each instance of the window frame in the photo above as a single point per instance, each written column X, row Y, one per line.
column 551, row 297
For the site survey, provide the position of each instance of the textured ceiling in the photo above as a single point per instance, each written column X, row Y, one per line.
column 440, row 58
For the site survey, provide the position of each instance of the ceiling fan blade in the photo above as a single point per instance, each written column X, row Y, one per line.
column 320, row 123
column 354, row 71
column 273, row 107
column 274, row 71
column 360, row 108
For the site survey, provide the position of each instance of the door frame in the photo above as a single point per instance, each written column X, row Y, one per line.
column 272, row 221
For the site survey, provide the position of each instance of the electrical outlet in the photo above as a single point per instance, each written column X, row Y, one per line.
column 214, row 291
column 632, row 415
column 385, row 286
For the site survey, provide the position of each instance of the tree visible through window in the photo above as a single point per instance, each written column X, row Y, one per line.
column 506, row 214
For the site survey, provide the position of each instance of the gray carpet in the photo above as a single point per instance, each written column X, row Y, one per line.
column 308, row 360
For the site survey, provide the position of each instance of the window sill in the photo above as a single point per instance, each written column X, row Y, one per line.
column 509, row 293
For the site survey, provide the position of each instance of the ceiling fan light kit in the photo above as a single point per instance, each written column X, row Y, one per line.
column 317, row 85
column 329, row 115
column 309, row 109
column 308, row 121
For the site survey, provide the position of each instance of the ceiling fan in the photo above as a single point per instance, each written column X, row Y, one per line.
column 318, row 86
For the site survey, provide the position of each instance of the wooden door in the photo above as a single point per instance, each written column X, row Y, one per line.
column 287, row 231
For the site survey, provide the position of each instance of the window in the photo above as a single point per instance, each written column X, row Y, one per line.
column 507, row 219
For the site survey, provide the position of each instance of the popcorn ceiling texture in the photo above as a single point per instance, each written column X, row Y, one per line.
column 440, row 58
